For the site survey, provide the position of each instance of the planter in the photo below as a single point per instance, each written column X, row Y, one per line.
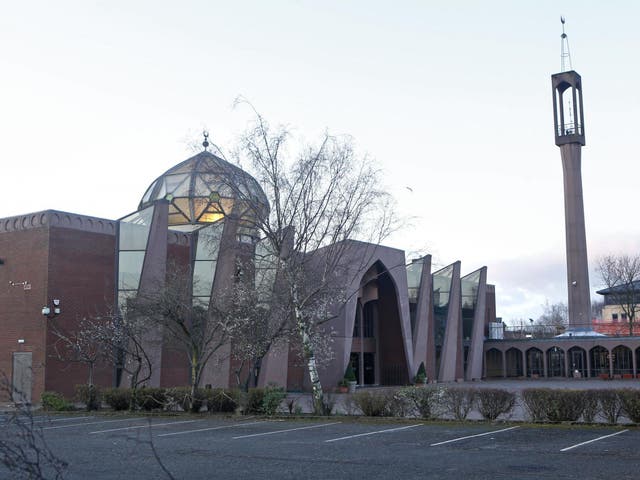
column 627, row 376
column 603, row 376
column 352, row 387
column 343, row 389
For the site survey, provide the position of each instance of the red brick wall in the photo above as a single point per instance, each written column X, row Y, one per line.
column 82, row 276
column 24, row 254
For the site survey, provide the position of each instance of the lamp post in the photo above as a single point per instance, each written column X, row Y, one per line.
column 52, row 311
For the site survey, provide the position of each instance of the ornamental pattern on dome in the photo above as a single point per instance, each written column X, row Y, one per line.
column 203, row 190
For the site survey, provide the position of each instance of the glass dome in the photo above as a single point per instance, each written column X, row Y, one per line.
column 203, row 190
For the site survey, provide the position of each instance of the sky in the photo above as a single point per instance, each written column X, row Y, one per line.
column 451, row 99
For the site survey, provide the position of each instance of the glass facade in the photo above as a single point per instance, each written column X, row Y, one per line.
column 206, row 259
column 133, row 236
column 414, row 274
column 441, row 289
column 442, row 280
column 469, row 288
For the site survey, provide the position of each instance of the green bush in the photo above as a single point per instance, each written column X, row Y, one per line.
column 150, row 398
column 117, row 398
column 459, row 401
column 253, row 401
column 349, row 374
column 427, row 401
column 610, row 405
column 544, row 404
column 53, row 401
column 90, row 395
column 222, row 400
column 373, row 404
column 565, row 405
column 273, row 397
column 493, row 402
column 630, row 399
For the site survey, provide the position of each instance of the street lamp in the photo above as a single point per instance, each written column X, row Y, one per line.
column 51, row 312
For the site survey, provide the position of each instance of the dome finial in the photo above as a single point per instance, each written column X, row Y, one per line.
column 205, row 144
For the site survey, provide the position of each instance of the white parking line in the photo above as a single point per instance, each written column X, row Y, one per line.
column 373, row 433
column 67, row 419
column 92, row 423
column 149, row 425
column 472, row 436
column 287, row 430
column 594, row 440
column 208, row 429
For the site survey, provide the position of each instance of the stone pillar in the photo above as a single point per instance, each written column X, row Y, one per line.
column 504, row 364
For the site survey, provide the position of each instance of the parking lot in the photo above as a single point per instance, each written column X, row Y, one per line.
column 108, row 447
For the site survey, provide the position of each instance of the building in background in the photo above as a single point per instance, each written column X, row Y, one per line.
column 397, row 316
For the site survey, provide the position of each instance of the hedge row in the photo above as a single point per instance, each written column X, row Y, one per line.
column 432, row 402
column 547, row 405
column 541, row 404
column 263, row 401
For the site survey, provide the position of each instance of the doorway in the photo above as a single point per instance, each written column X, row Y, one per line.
column 22, row 377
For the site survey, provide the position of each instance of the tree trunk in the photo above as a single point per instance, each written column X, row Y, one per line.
column 312, row 365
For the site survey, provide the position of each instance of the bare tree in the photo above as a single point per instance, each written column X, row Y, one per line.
column 319, row 200
column 78, row 346
column 23, row 449
column 620, row 274
column 194, row 329
column 554, row 319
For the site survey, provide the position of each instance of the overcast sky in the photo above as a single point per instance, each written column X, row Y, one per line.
column 452, row 99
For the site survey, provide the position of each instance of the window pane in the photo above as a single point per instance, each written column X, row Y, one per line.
column 129, row 270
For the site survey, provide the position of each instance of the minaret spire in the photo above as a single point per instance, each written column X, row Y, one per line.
column 568, row 119
column 565, row 53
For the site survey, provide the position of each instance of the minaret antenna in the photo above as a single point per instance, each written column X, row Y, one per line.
column 565, row 55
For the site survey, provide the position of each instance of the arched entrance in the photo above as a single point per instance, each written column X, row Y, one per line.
column 599, row 357
column 555, row 362
column 377, row 348
column 622, row 358
column 514, row 362
column 535, row 363
column 493, row 361
column 577, row 362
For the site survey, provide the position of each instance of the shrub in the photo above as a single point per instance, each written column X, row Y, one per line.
column 53, row 401
column 535, row 402
column 222, row 400
column 149, row 398
column 372, row 404
column 590, row 405
column 459, row 402
column 399, row 405
column 426, row 400
column 253, row 401
column 493, row 402
column 544, row 404
column 117, row 398
column 349, row 374
column 326, row 406
column 610, row 405
column 630, row 399
column 273, row 396
column 565, row 405
column 90, row 395
column 182, row 397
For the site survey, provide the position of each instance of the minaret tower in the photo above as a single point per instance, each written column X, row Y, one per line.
column 569, row 133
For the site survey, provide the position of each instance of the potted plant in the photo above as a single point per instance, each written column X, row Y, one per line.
column 421, row 376
column 343, row 386
column 350, row 378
